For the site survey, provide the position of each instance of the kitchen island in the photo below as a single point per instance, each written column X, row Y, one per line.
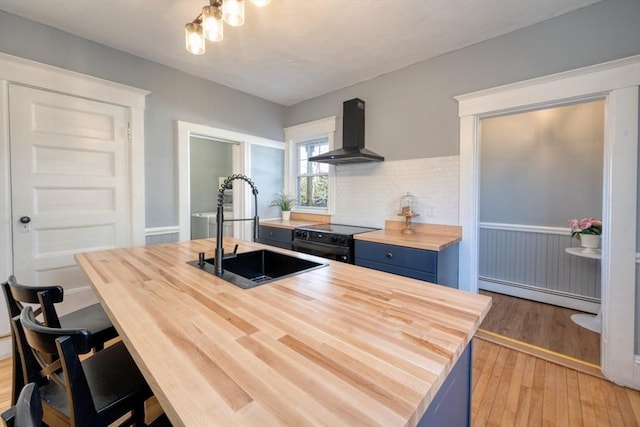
column 339, row 345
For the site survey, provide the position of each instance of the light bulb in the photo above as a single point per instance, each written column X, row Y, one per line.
column 260, row 3
column 233, row 12
column 212, row 25
column 194, row 38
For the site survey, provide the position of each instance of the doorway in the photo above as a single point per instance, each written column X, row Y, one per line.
column 616, row 81
column 16, row 71
column 250, row 156
column 538, row 169
column 69, row 186
column 210, row 162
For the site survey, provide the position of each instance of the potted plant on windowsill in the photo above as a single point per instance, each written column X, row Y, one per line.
column 285, row 202
column 587, row 231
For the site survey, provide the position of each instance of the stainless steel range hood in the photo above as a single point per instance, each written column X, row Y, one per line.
column 352, row 150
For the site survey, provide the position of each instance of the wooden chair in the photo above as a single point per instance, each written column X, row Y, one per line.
column 94, row 392
column 93, row 318
column 27, row 411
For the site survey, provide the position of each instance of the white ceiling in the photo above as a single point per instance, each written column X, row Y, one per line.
column 293, row 50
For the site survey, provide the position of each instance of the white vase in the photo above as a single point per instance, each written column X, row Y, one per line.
column 286, row 215
column 590, row 241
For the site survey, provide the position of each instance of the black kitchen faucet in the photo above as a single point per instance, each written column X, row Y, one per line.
column 219, row 255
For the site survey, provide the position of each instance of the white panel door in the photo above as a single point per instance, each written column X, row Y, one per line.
column 69, row 180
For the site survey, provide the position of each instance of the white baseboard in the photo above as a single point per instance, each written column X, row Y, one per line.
column 156, row 231
column 545, row 296
column 636, row 376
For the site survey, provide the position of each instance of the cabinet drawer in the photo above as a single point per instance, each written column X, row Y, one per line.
column 401, row 271
column 397, row 256
column 281, row 235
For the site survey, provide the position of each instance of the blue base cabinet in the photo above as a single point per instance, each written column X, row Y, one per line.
column 452, row 405
column 439, row 267
column 275, row 236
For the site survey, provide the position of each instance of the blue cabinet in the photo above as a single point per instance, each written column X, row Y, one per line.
column 439, row 267
column 452, row 405
column 275, row 236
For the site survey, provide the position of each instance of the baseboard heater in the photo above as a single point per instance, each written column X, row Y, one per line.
column 536, row 293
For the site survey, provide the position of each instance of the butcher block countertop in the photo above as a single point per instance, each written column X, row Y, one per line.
column 338, row 346
column 297, row 220
column 289, row 225
column 432, row 237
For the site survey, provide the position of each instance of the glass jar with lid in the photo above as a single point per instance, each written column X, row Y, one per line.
column 407, row 206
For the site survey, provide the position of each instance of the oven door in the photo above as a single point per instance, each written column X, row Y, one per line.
column 334, row 252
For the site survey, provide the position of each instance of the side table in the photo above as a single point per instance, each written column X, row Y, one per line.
column 593, row 322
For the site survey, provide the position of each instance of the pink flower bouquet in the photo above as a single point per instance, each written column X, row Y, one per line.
column 585, row 226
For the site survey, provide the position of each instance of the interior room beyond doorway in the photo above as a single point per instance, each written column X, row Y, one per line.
column 210, row 161
column 538, row 169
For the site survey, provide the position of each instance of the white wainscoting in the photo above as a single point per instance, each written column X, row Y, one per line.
column 637, row 343
column 531, row 262
column 153, row 236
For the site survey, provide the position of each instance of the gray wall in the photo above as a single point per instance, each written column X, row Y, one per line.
column 174, row 96
column 542, row 167
column 411, row 113
column 267, row 171
column 208, row 160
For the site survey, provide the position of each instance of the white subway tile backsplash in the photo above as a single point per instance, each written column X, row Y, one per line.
column 367, row 194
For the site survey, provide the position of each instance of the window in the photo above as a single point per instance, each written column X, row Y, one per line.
column 310, row 182
column 312, row 178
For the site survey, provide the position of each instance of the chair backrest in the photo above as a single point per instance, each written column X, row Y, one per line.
column 67, row 371
column 29, row 407
column 16, row 295
column 29, row 366
column 27, row 412
column 42, row 339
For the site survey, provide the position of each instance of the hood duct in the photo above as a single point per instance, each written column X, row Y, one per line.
column 352, row 150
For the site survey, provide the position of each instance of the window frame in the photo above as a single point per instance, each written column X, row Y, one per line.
column 307, row 132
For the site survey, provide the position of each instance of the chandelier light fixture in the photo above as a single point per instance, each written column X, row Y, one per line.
column 209, row 24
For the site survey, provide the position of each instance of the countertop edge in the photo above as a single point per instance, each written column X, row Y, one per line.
column 427, row 241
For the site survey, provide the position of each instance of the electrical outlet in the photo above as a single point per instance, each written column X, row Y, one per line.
column 431, row 210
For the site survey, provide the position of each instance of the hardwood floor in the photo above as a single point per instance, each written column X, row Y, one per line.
column 5, row 384
column 511, row 388
column 542, row 325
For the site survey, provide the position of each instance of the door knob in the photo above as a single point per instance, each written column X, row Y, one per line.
column 25, row 220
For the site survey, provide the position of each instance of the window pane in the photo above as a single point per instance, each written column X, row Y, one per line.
column 312, row 185
column 314, row 191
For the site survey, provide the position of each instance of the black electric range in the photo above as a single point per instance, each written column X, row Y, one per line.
column 332, row 241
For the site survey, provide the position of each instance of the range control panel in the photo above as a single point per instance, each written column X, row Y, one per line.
column 328, row 238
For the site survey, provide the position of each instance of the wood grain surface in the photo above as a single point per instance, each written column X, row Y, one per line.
column 432, row 237
column 339, row 345
column 511, row 388
column 289, row 225
column 298, row 219
column 541, row 325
